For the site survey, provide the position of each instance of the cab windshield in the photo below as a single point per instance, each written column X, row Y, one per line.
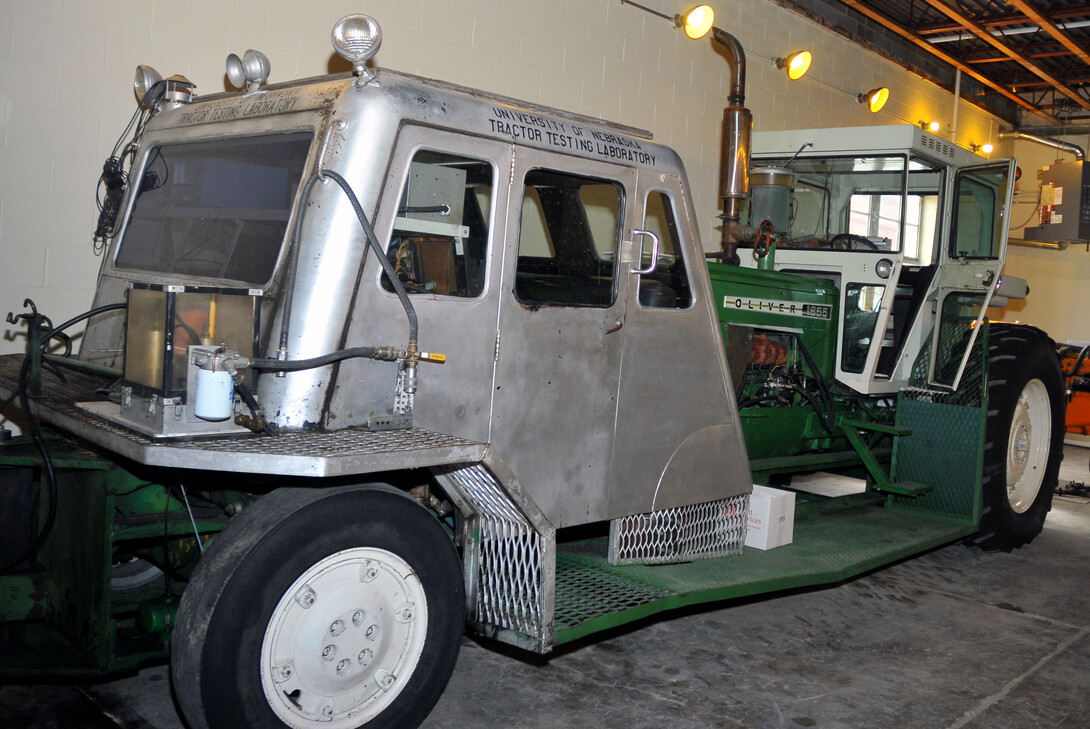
column 884, row 204
column 215, row 208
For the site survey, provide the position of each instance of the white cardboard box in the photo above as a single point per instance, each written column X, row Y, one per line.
column 771, row 519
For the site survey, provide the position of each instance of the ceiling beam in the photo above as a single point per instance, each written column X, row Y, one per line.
column 1002, row 47
column 913, row 38
column 1052, row 29
column 1008, row 19
column 1006, row 59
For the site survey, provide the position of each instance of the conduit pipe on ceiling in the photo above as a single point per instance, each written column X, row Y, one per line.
column 1046, row 141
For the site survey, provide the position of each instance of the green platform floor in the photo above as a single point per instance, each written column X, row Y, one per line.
column 834, row 540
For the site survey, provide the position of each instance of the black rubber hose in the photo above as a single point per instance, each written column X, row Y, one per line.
column 251, row 402
column 325, row 359
column 388, row 267
column 823, row 386
column 372, row 240
column 48, row 472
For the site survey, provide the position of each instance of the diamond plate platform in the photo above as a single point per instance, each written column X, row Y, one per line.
column 328, row 453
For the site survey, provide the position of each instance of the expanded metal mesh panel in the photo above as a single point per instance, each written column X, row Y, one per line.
column 681, row 534
column 587, row 589
column 971, row 388
column 511, row 574
column 944, row 449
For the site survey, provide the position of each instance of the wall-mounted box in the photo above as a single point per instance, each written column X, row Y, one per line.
column 1064, row 212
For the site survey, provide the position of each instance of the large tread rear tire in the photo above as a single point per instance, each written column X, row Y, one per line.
column 306, row 612
column 1023, row 443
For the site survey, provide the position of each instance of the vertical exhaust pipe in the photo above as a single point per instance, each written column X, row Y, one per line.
column 734, row 158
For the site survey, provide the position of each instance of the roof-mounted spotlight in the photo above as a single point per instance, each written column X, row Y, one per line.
column 154, row 93
column 356, row 39
column 250, row 71
column 931, row 126
column 797, row 64
column 145, row 78
column 696, row 22
column 875, row 99
column 986, row 148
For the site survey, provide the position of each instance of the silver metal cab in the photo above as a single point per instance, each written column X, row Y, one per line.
column 605, row 391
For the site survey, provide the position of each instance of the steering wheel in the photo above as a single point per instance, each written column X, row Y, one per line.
column 851, row 242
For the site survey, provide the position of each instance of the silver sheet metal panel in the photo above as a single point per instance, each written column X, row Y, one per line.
column 600, row 409
column 312, row 453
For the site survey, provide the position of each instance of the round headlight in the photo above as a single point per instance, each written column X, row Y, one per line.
column 356, row 38
column 145, row 78
column 883, row 268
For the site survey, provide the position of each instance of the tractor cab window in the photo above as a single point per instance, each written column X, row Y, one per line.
column 875, row 204
column 439, row 243
column 978, row 212
column 567, row 238
column 215, row 209
column 667, row 286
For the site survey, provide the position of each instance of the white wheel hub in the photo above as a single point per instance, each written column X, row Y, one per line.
column 344, row 640
column 1027, row 449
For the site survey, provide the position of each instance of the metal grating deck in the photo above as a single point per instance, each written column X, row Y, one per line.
column 312, row 453
column 834, row 540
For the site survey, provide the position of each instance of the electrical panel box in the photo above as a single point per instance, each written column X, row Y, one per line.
column 1065, row 204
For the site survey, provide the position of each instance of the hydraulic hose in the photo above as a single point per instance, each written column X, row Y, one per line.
column 387, row 267
column 372, row 241
column 48, row 472
column 386, row 353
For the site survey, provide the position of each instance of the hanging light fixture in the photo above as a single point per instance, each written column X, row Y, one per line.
column 696, row 22
column 875, row 99
column 797, row 64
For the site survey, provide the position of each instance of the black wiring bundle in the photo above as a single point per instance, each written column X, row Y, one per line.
column 111, row 185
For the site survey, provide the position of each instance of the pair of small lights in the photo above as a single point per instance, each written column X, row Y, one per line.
column 875, row 99
column 698, row 21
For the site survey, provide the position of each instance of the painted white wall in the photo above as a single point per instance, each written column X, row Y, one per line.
column 66, row 70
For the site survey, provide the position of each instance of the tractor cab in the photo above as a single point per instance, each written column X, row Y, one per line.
column 904, row 225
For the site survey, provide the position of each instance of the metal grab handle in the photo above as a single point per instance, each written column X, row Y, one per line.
column 654, row 251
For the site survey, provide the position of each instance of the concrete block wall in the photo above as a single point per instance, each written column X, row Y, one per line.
column 66, row 95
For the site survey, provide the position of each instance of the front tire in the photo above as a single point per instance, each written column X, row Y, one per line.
column 336, row 608
column 1024, row 436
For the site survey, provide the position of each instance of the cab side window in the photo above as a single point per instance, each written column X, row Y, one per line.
column 567, row 238
column 667, row 287
column 440, row 238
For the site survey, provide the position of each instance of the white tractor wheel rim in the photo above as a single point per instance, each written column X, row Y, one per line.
column 1027, row 449
column 344, row 640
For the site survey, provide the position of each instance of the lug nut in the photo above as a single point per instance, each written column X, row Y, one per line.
column 329, row 652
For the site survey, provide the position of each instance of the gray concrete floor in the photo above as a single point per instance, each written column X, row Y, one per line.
column 953, row 639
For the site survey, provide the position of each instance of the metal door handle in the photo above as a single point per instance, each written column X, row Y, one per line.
column 654, row 251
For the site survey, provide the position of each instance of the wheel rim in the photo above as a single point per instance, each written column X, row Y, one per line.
column 1027, row 449
column 344, row 640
